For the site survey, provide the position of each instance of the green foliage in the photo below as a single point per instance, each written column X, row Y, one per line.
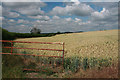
column 67, row 63
column 85, row 63
column 71, row 64
column 92, row 62
column 34, row 30
column 7, row 35
column 75, row 63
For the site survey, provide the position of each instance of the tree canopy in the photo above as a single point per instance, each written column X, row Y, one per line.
column 35, row 31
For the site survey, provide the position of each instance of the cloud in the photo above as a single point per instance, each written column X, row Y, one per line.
column 106, row 15
column 77, row 20
column 77, row 2
column 22, row 21
column 55, row 17
column 11, row 20
column 19, row 28
column 60, row 0
column 40, row 17
column 104, row 19
column 21, row 0
column 27, row 8
column 104, row 1
column 111, row 6
column 68, row 19
column 31, row 11
column 0, row 10
column 55, row 25
column 78, row 9
column 103, row 15
column 19, row 5
column 9, row 14
column 58, row 11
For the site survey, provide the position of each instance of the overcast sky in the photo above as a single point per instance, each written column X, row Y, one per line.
column 59, row 16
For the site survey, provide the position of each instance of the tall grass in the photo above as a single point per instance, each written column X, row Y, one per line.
column 12, row 66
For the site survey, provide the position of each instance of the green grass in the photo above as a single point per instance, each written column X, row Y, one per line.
column 12, row 66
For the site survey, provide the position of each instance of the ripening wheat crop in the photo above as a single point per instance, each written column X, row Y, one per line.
column 100, row 44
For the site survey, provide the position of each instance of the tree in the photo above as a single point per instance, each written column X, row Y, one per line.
column 58, row 32
column 35, row 31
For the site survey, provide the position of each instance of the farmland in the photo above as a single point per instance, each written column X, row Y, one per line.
column 87, row 55
column 100, row 45
column 87, row 44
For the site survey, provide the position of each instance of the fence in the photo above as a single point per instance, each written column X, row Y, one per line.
column 12, row 47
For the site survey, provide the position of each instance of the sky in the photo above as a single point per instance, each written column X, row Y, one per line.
column 64, row 16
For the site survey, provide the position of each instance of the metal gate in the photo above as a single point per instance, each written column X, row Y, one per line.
column 21, row 54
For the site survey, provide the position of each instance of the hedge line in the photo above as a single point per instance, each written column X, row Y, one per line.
column 6, row 35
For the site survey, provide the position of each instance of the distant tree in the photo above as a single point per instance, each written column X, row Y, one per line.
column 58, row 32
column 35, row 31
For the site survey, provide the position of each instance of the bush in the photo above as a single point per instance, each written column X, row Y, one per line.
column 7, row 35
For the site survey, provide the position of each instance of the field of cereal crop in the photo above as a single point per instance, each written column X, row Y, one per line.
column 87, row 47
column 87, row 44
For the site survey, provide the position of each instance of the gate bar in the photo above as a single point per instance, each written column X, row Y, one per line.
column 32, row 55
column 33, row 48
column 61, row 43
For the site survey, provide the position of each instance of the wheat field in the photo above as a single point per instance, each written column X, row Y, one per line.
column 87, row 44
column 89, row 47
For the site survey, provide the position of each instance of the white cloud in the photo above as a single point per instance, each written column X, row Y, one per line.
column 85, row 23
column 11, row 20
column 23, row 21
column 103, row 15
column 77, row 2
column 104, row 1
column 19, row 5
column 77, row 20
column 13, row 14
column 58, row 11
column 60, row 0
column 0, row 10
column 78, row 9
column 20, row 21
column 27, row 8
column 55, row 17
column 68, row 19
column 40, row 17
column 91, row 0
column 21, row 0
column 10, row 14
column 105, row 19
column 108, row 14
column 31, row 11
column 2, row 18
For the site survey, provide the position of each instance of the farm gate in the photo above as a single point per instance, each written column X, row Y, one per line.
column 41, row 57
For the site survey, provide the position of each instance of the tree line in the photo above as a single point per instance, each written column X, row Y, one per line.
column 6, row 35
